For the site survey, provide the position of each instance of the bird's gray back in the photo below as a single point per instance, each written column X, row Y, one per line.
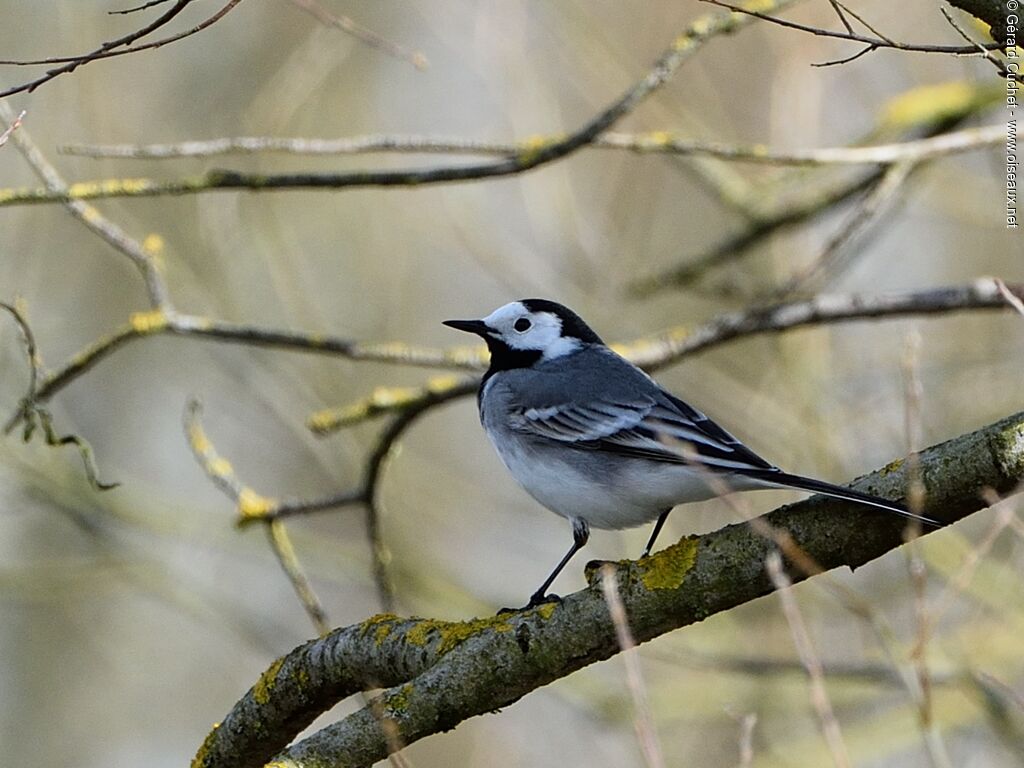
column 593, row 373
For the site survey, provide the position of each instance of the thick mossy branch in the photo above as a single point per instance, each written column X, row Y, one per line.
column 441, row 673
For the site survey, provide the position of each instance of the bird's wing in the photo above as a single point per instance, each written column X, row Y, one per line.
column 658, row 427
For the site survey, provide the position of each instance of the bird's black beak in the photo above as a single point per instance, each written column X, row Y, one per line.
column 479, row 327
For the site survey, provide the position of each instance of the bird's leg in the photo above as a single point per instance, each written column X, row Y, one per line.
column 580, row 535
column 654, row 534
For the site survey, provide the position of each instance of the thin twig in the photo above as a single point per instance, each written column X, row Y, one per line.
column 135, row 9
column 361, row 33
column 34, row 417
column 107, row 230
column 1005, row 517
column 281, row 543
column 643, row 720
column 1000, row 66
column 1012, row 299
column 916, row 501
column 650, row 352
column 747, row 724
column 12, row 127
column 859, row 18
column 873, row 43
column 678, row 343
column 810, row 660
column 685, row 45
column 78, row 61
column 251, row 505
column 838, row 251
column 107, row 50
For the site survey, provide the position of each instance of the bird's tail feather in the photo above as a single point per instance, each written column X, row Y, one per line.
column 786, row 480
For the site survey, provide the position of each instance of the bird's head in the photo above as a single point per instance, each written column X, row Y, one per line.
column 524, row 332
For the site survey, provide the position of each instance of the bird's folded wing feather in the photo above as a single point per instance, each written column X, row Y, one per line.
column 661, row 429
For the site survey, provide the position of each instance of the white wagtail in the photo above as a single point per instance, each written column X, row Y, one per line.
column 595, row 439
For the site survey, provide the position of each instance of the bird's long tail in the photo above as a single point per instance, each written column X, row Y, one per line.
column 786, row 480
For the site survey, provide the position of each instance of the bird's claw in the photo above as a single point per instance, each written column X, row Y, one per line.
column 535, row 600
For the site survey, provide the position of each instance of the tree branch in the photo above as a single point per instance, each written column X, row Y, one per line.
column 649, row 142
column 440, row 673
column 118, row 47
column 685, row 45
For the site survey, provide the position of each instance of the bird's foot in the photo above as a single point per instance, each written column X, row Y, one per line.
column 535, row 600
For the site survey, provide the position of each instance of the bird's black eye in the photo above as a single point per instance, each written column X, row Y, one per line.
column 522, row 325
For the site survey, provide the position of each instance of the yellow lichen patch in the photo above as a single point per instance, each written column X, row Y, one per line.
column 398, row 701
column 202, row 755
column 17, row 193
column 474, row 355
column 198, row 440
column 390, row 397
column 252, row 505
column 546, row 610
column 330, row 419
column 380, row 634
column 265, row 685
column 380, row 625
column 107, row 187
column 655, row 140
column 893, row 466
column 220, row 467
column 668, row 568
column 932, row 103
column 532, row 146
column 760, row 6
column 153, row 321
column 440, row 384
column 153, row 244
column 452, row 633
column 90, row 215
column 200, row 323
column 392, row 350
column 701, row 26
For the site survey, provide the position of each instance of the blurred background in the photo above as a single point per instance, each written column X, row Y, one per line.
column 132, row 620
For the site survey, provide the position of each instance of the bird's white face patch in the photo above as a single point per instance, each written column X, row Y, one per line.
column 533, row 331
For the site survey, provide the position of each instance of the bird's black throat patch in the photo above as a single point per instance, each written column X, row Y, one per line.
column 504, row 358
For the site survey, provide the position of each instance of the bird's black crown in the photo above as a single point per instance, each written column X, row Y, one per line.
column 572, row 324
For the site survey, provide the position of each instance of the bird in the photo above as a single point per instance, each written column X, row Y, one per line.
column 594, row 439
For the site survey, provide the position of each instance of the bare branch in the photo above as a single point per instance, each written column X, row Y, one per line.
column 107, row 230
column 685, row 45
column 652, row 142
column 108, row 49
column 872, row 43
column 12, row 127
column 643, row 720
column 677, row 343
column 361, row 33
column 838, row 251
column 810, row 660
column 34, row 417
